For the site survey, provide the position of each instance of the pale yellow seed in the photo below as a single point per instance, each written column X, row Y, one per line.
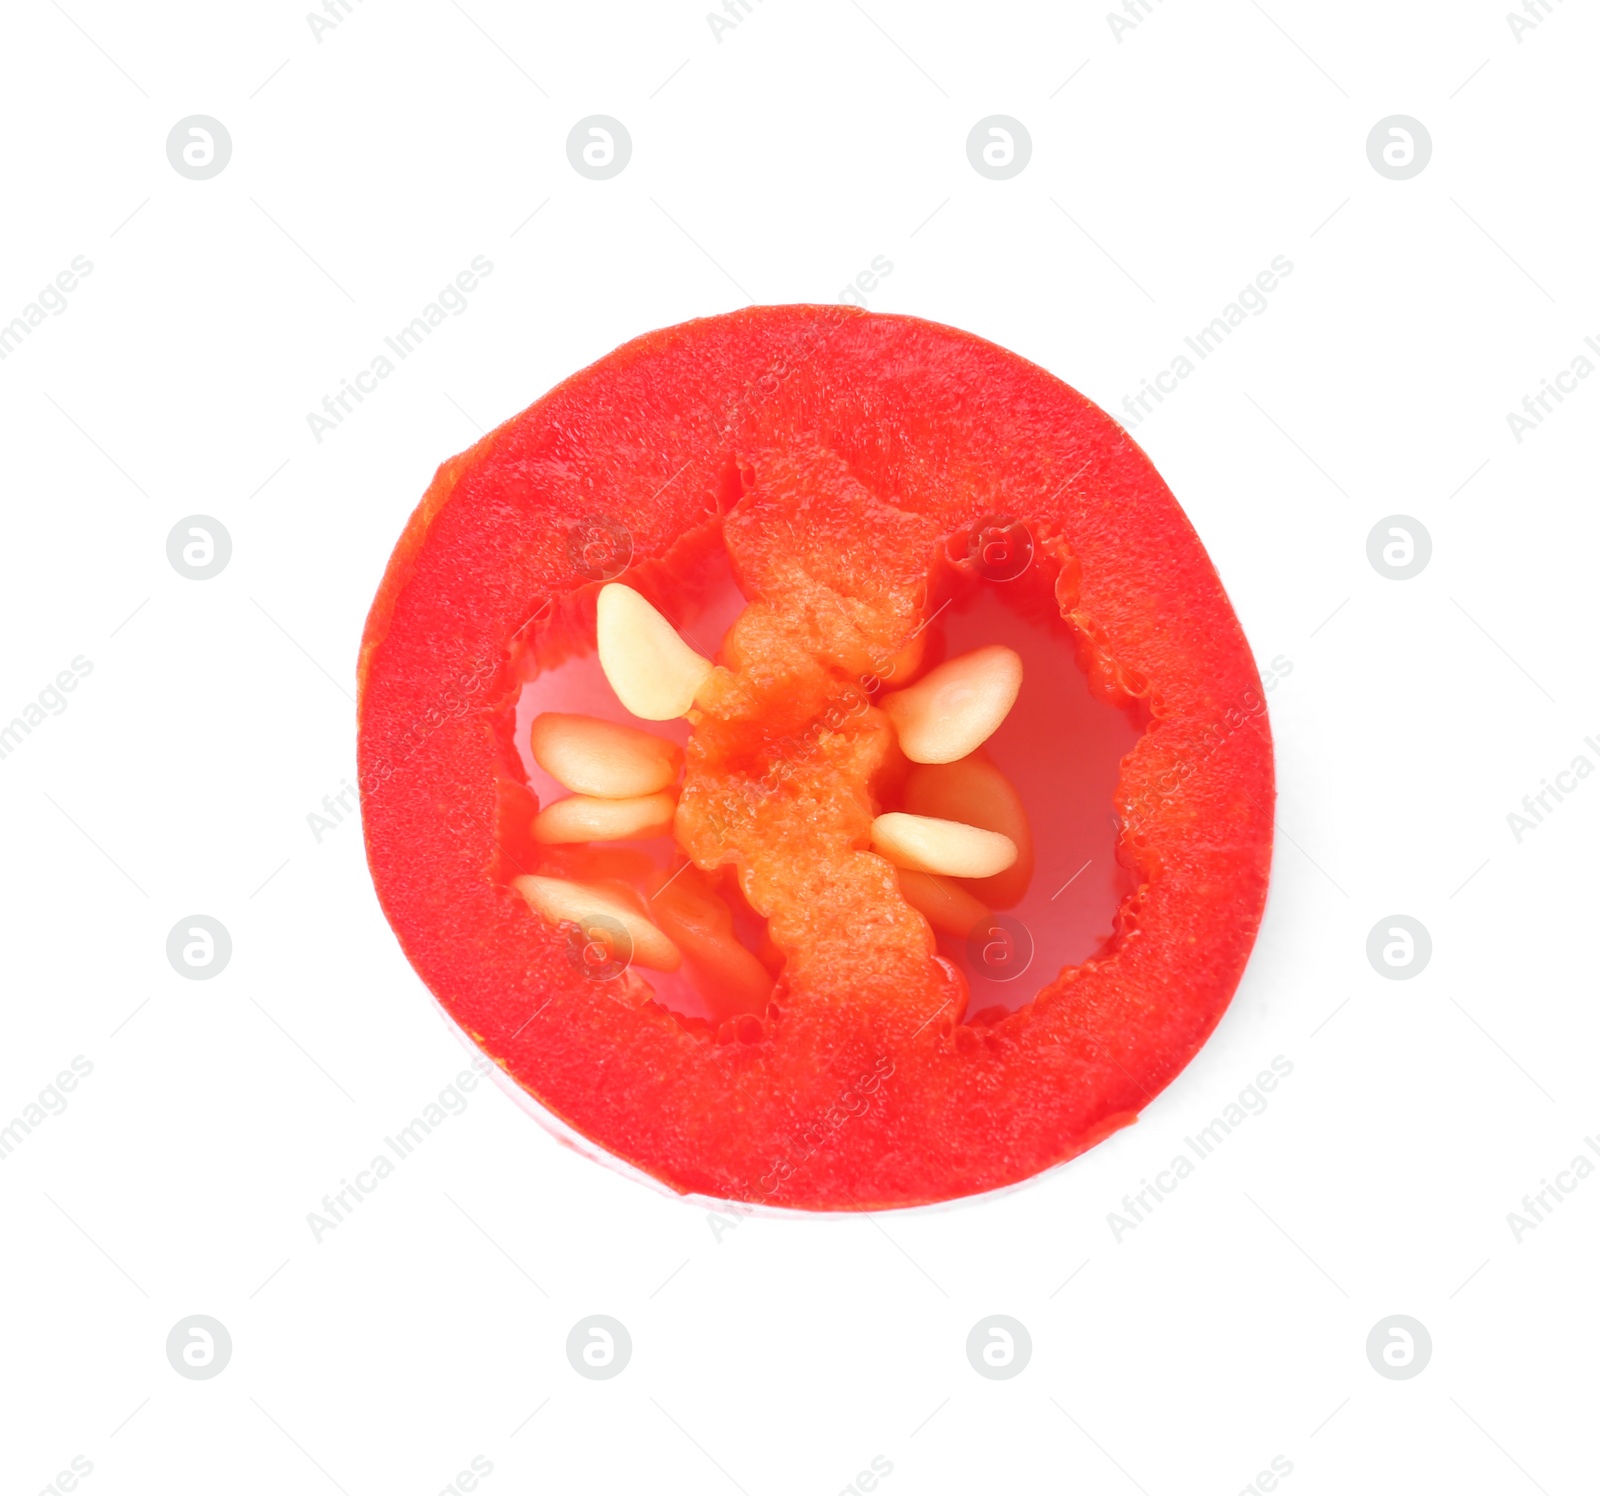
column 947, row 906
column 558, row 900
column 592, row 757
column 956, row 705
column 586, row 818
column 926, row 845
column 654, row 673
column 973, row 790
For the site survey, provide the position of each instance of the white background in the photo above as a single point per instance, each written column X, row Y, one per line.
column 773, row 165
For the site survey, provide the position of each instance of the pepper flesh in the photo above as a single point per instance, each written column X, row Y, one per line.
column 839, row 452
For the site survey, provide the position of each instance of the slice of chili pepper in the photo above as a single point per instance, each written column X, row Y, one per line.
column 851, row 469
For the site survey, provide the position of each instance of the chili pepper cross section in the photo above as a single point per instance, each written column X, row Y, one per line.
column 682, row 807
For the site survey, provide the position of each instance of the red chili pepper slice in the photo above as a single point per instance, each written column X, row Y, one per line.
column 851, row 469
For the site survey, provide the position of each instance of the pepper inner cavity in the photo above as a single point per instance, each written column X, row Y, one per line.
column 789, row 765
